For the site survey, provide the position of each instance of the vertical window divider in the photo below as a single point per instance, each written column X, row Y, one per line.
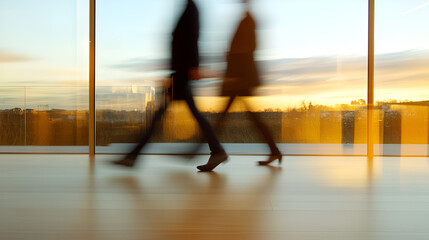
column 91, row 114
column 370, row 87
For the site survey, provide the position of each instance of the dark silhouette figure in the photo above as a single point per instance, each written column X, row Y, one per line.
column 242, row 77
column 184, row 63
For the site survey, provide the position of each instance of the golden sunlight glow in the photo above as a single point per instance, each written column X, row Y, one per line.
column 349, row 174
column 179, row 123
column 413, row 167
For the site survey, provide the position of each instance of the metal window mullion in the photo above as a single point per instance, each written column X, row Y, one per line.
column 91, row 116
column 370, row 87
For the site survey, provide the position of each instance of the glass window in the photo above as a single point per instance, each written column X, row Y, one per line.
column 402, row 77
column 133, row 39
column 44, row 76
column 311, row 57
column 312, row 64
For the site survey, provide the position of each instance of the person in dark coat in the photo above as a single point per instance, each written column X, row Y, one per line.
column 184, row 63
column 242, row 77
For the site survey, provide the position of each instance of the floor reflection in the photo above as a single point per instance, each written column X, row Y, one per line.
column 47, row 196
column 208, row 207
column 343, row 173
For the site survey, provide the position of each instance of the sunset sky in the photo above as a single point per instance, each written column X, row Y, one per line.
column 308, row 50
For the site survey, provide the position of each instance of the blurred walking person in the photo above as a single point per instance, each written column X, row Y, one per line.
column 242, row 77
column 184, row 63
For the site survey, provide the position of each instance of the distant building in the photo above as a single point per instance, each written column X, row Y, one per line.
column 43, row 108
column 17, row 110
column 30, row 110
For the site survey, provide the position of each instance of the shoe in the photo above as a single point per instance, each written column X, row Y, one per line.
column 214, row 161
column 128, row 161
column 271, row 159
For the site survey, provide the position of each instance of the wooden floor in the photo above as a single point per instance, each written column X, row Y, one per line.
column 64, row 197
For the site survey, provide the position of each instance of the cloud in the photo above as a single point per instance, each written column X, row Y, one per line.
column 328, row 76
column 7, row 57
column 143, row 64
